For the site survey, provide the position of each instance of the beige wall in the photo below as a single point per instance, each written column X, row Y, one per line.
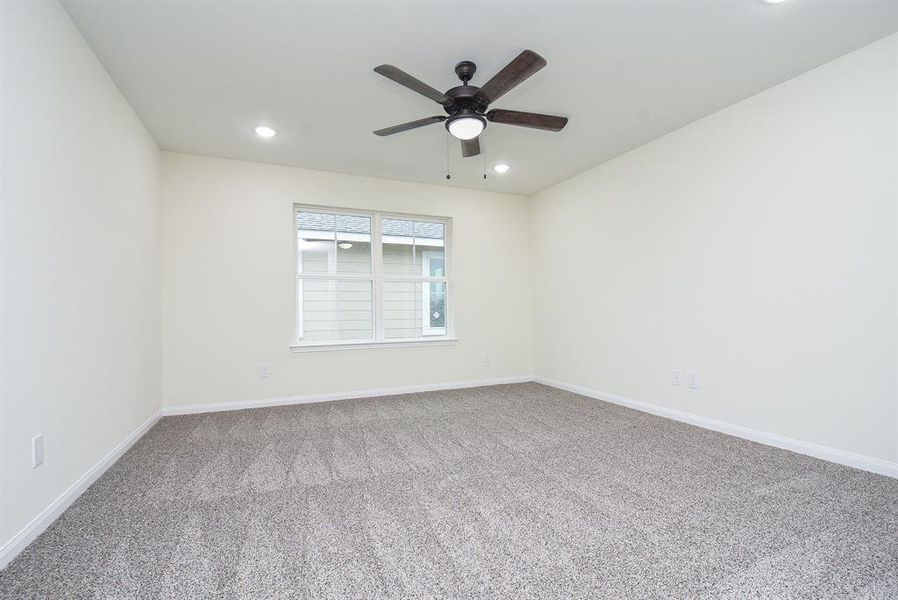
column 756, row 246
column 228, row 283
column 81, row 343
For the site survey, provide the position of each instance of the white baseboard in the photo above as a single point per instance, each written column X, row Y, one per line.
column 842, row 457
column 29, row 533
column 188, row 409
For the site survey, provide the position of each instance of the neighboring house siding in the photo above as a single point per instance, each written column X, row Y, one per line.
column 337, row 310
column 402, row 299
column 341, row 310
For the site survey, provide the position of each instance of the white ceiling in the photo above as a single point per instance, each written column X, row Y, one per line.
column 201, row 74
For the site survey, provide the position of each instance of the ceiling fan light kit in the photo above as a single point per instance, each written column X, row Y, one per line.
column 467, row 106
column 466, row 125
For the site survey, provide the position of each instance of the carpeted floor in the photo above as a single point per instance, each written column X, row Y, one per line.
column 518, row 491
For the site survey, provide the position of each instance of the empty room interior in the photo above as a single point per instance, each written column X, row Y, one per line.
column 430, row 299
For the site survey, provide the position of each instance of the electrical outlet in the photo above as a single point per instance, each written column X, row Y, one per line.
column 692, row 379
column 37, row 450
column 263, row 372
column 676, row 377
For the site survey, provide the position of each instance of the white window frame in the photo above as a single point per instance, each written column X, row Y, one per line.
column 430, row 336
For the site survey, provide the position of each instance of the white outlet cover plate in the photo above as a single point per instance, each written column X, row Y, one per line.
column 37, row 451
column 676, row 377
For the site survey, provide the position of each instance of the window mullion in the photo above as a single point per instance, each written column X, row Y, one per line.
column 329, row 277
column 377, row 259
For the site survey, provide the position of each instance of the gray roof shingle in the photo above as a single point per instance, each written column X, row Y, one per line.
column 354, row 224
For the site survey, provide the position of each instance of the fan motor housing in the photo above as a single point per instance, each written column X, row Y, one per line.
column 462, row 97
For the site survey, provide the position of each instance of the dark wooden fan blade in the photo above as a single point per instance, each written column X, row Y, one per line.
column 526, row 64
column 470, row 147
column 409, row 125
column 403, row 78
column 527, row 119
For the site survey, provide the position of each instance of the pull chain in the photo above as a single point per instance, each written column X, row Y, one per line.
column 483, row 164
column 448, row 176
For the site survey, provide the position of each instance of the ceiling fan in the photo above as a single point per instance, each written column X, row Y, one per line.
column 467, row 105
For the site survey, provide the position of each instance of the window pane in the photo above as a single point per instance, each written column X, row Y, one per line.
column 398, row 237
column 414, row 309
column 335, row 310
column 432, row 262
column 316, row 253
column 429, row 240
column 353, row 245
column 409, row 246
column 334, row 243
column 402, row 309
column 434, row 303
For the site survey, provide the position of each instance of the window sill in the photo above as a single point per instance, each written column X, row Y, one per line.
column 350, row 345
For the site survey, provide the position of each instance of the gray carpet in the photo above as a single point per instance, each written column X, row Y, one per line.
column 518, row 491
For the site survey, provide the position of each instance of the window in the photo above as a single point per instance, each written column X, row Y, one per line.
column 370, row 279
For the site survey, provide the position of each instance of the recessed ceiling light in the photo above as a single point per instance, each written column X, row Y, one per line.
column 774, row 1
column 263, row 131
column 501, row 168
